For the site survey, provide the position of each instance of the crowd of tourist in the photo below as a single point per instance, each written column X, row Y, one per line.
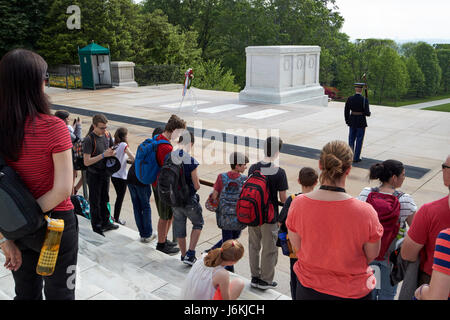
column 333, row 239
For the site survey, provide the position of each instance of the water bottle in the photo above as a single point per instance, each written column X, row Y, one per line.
column 50, row 248
column 284, row 243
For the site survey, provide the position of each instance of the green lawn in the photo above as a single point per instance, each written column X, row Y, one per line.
column 405, row 101
column 442, row 107
column 409, row 101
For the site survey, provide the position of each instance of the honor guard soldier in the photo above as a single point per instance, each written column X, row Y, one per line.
column 356, row 111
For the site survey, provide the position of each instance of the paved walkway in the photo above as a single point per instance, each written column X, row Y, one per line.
column 423, row 105
column 417, row 138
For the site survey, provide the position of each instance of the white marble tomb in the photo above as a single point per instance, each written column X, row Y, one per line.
column 283, row 74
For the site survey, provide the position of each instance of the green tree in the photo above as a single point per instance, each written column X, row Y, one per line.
column 444, row 62
column 21, row 22
column 391, row 79
column 416, row 77
column 212, row 76
column 428, row 62
column 163, row 43
column 110, row 23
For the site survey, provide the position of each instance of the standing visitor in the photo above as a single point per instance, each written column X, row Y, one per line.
column 263, row 252
column 37, row 139
column 119, row 178
column 97, row 146
column 429, row 221
column 394, row 209
column 336, row 235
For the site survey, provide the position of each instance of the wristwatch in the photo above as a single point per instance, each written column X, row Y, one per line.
column 3, row 240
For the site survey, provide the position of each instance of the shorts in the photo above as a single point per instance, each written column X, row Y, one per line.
column 193, row 212
column 164, row 211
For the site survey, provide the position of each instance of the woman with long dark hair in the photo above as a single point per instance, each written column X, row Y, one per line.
column 37, row 146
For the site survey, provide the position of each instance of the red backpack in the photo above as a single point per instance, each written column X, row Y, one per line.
column 388, row 208
column 254, row 207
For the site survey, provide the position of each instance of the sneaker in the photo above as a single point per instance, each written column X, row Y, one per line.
column 120, row 221
column 255, row 281
column 190, row 260
column 110, row 226
column 99, row 231
column 263, row 285
column 171, row 243
column 149, row 239
column 167, row 249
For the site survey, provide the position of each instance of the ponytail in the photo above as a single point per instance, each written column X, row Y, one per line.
column 385, row 170
column 231, row 250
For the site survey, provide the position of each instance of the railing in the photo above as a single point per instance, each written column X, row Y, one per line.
column 65, row 76
column 158, row 74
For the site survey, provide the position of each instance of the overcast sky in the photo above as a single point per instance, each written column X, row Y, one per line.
column 395, row 19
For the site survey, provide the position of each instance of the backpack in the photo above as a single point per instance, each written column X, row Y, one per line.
column 20, row 214
column 254, row 207
column 81, row 206
column 388, row 208
column 285, row 243
column 146, row 164
column 77, row 155
column 226, row 212
column 172, row 187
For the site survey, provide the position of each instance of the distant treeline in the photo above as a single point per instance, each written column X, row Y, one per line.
column 211, row 36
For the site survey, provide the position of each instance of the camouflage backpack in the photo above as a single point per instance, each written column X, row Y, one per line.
column 226, row 211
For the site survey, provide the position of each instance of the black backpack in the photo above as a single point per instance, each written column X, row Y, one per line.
column 172, row 187
column 20, row 214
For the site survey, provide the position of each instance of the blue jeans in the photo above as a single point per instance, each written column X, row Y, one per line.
column 140, row 196
column 356, row 134
column 384, row 290
column 227, row 235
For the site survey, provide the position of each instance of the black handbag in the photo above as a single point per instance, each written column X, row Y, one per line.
column 20, row 214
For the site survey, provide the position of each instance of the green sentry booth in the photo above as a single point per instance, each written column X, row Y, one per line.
column 95, row 66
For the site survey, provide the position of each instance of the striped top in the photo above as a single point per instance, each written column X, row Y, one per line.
column 442, row 253
column 44, row 136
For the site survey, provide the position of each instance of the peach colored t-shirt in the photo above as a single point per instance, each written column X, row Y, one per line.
column 331, row 258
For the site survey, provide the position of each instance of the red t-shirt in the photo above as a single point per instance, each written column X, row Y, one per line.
column 331, row 258
column 163, row 150
column 218, row 185
column 44, row 136
column 431, row 219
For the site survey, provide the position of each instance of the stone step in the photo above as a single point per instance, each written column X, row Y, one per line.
column 125, row 242
column 120, row 267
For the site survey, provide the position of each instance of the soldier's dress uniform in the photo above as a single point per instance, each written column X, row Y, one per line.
column 356, row 111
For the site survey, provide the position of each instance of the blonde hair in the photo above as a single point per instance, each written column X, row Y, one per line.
column 231, row 250
column 335, row 158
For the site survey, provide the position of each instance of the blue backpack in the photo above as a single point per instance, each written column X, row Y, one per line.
column 146, row 165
